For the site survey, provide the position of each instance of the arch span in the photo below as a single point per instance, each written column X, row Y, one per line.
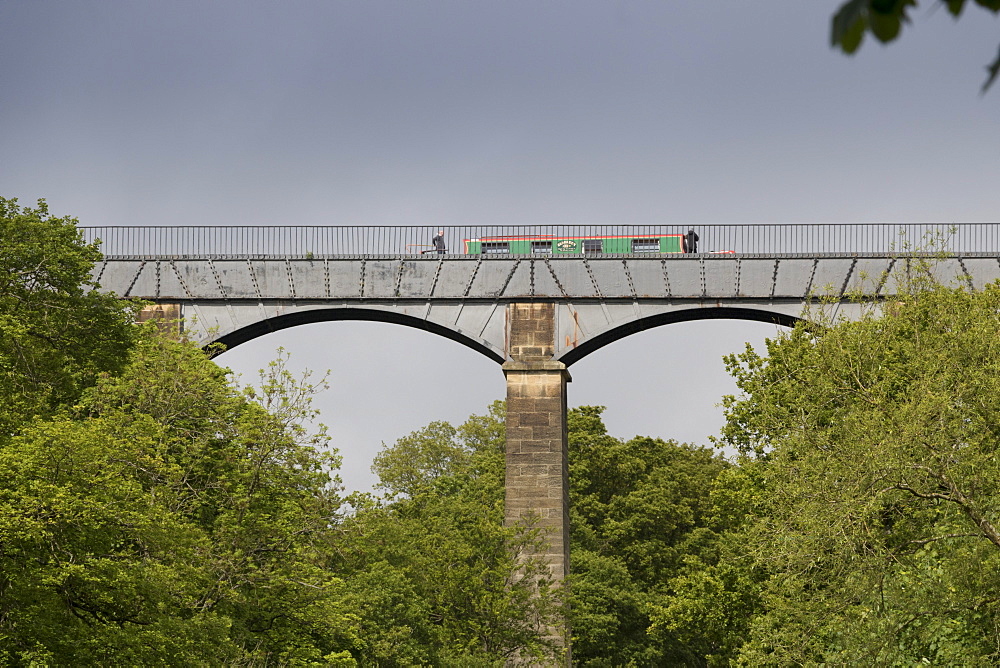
column 304, row 317
column 602, row 339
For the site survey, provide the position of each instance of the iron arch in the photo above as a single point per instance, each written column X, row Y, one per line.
column 671, row 317
column 304, row 317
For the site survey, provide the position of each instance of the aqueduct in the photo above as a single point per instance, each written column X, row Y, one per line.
column 534, row 314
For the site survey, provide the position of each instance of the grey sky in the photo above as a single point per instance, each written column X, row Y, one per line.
column 439, row 113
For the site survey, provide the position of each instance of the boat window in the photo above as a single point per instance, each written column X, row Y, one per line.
column 541, row 247
column 495, row 247
column 592, row 246
column 645, row 245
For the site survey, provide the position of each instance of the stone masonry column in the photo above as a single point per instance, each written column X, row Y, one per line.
column 537, row 468
column 166, row 316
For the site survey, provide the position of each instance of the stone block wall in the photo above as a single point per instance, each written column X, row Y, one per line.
column 537, row 478
column 166, row 316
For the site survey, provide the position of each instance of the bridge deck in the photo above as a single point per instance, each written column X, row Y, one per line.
column 231, row 284
column 512, row 278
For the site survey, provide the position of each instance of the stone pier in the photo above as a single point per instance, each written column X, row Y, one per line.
column 166, row 316
column 537, row 467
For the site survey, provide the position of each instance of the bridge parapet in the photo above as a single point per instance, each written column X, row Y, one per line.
column 304, row 242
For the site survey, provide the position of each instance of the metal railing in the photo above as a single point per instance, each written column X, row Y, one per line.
column 301, row 241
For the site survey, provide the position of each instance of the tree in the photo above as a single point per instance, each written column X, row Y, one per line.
column 57, row 332
column 642, row 515
column 884, row 19
column 151, row 513
column 708, row 605
column 871, row 478
column 439, row 578
column 167, row 517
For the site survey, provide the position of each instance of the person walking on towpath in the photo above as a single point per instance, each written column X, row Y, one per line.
column 438, row 242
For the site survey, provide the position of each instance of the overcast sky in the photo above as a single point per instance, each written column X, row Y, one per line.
column 340, row 112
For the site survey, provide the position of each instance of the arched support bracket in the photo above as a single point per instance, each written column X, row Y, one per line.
column 232, row 325
column 587, row 328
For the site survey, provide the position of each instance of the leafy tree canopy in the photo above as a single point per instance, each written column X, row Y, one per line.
column 166, row 518
column 872, row 484
column 642, row 516
column 439, row 575
column 151, row 513
column 439, row 578
column 434, row 562
column 884, row 19
column 57, row 332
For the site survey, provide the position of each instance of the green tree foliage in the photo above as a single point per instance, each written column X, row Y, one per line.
column 872, row 484
column 150, row 512
column 707, row 607
column 434, row 568
column 642, row 519
column 884, row 19
column 57, row 332
column 438, row 577
column 168, row 518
